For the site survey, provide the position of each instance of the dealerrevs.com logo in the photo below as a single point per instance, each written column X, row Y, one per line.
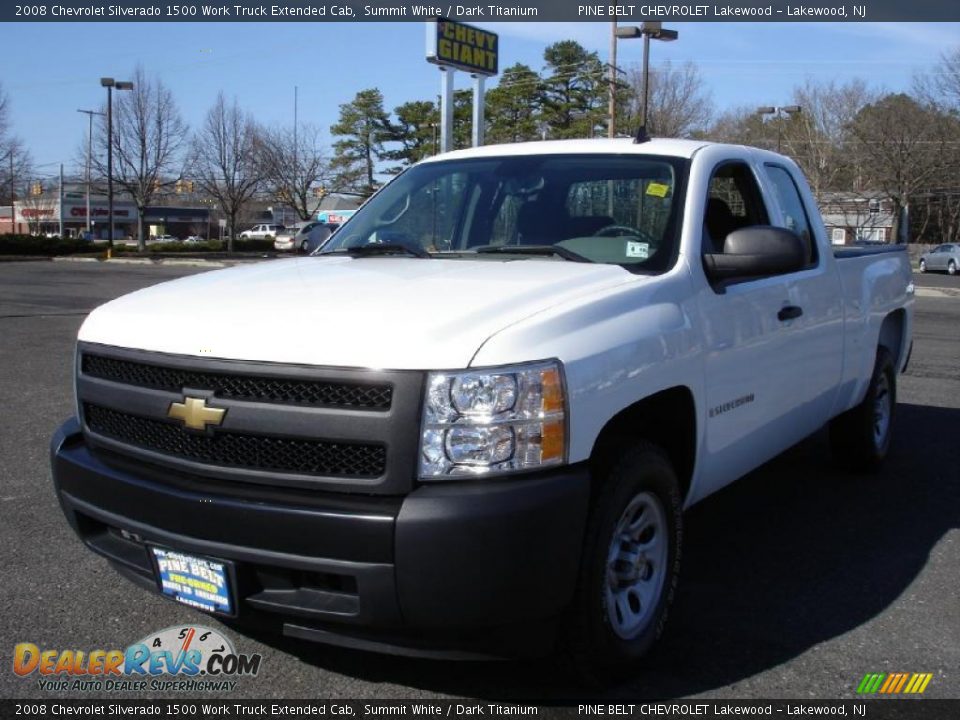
column 179, row 658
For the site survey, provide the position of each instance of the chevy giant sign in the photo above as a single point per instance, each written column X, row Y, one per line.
column 462, row 46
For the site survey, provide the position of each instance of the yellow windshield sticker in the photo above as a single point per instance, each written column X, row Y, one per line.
column 658, row 190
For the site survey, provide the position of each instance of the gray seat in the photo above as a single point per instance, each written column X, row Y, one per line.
column 535, row 224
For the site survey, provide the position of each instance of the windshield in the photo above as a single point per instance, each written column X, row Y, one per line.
column 621, row 209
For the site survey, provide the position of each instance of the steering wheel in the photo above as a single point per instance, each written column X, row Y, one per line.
column 616, row 231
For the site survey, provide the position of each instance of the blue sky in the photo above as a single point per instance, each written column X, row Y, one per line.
column 55, row 67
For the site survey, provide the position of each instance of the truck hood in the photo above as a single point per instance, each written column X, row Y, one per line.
column 389, row 313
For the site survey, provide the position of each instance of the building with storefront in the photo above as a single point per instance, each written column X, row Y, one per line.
column 47, row 213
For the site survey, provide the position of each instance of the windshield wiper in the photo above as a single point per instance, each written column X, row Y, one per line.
column 534, row 250
column 374, row 249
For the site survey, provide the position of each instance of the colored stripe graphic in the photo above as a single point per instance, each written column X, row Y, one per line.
column 894, row 683
column 870, row 683
column 918, row 683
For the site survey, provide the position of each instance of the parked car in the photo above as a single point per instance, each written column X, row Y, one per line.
column 166, row 239
column 318, row 235
column 261, row 232
column 946, row 257
column 194, row 239
column 284, row 240
column 505, row 379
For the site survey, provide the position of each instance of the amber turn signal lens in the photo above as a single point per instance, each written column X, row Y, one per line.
column 552, row 391
column 552, row 441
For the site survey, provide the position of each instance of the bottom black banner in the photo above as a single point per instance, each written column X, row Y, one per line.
column 363, row 709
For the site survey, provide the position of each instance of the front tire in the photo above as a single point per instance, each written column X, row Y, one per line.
column 631, row 561
column 923, row 266
column 860, row 438
column 952, row 268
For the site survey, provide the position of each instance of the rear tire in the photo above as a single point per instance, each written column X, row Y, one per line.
column 630, row 564
column 923, row 266
column 860, row 438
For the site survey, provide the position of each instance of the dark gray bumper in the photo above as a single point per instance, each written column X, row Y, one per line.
column 435, row 569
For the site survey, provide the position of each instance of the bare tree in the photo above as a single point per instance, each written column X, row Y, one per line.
column 223, row 160
column 4, row 114
column 15, row 162
column 679, row 104
column 295, row 167
column 902, row 147
column 819, row 137
column 148, row 137
column 740, row 126
column 941, row 86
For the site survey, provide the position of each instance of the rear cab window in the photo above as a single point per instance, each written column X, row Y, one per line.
column 795, row 215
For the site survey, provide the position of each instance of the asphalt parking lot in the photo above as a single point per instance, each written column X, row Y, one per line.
column 797, row 580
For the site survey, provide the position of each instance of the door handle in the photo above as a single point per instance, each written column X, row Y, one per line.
column 790, row 312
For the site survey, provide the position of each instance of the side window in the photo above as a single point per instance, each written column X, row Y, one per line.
column 734, row 201
column 794, row 214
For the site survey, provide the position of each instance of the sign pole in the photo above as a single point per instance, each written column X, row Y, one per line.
column 478, row 118
column 446, row 109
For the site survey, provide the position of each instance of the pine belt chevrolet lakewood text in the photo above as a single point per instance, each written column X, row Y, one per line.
column 511, row 371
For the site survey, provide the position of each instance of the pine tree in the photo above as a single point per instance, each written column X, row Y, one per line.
column 364, row 127
column 575, row 91
column 513, row 108
column 417, row 130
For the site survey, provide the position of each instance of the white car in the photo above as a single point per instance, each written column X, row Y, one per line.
column 166, row 239
column 261, row 232
column 284, row 241
column 194, row 239
column 503, row 382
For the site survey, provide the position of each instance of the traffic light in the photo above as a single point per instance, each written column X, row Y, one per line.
column 36, row 188
column 320, row 191
column 189, row 184
column 178, row 188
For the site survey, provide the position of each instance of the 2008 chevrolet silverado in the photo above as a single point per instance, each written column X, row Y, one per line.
column 512, row 370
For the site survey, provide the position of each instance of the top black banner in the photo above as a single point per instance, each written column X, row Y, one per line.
column 518, row 11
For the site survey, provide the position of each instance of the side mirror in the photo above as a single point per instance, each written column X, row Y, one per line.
column 757, row 251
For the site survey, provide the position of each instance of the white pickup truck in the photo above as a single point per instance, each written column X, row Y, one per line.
column 511, row 372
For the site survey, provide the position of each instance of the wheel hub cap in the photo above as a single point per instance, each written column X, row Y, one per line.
column 636, row 565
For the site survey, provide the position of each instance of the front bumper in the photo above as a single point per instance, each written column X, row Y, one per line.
column 449, row 569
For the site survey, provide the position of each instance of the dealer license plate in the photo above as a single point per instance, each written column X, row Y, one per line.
column 199, row 582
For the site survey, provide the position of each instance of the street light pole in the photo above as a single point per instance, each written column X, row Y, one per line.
column 612, row 109
column 648, row 31
column 89, row 114
column 110, row 84
column 779, row 112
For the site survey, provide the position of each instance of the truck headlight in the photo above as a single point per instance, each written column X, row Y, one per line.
column 494, row 421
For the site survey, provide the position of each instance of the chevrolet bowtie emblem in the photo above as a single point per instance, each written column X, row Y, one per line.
column 195, row 413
